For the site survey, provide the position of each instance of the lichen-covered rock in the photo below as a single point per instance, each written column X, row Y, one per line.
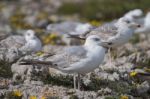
column 142, row 88
column 27, row 73
column 13, row 42
column 3, row 35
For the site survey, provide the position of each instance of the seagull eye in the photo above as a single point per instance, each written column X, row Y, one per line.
column 96, row 39
column 127, row 21
column 28, row 34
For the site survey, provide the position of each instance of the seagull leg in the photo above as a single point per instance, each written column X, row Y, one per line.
column 109, row 57
column 74, row 81
column 79, row 81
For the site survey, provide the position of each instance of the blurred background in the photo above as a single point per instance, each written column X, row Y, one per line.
column 17, row 15
column 15, row 12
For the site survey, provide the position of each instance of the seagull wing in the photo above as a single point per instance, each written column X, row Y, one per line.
column 68, row 56
column 62, row 59
column 105, row 31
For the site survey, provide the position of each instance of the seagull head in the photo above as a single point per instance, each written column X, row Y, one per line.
column 93, row 40
column 137, row 13
column 134, row 14
column 126, row 23
column 29, row 34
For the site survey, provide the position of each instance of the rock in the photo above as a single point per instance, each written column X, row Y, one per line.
column 10, row 48
column 20, row 72
column 86, row 94
column 104, row 91
column 13, row 42
column 28, row 72
column 3, row 35
column 143, row 88
column 11, row 55
column 4, row 83
column 108, row 76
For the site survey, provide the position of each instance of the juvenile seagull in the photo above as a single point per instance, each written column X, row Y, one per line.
column 16, row 46
column 76, row 59
column 33, row 43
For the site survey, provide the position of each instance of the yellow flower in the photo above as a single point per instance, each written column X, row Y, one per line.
column 53, row 36
column 46, row 40
column 43, row 97
column 32, row 97
column 124, row 97
column 133, row 74
column 39, row 53
column 17, row 93
column 95, row 23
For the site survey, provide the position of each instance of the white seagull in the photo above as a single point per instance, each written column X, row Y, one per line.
column 114, row 35
column 33, row 43
column 134, row 15
column 82, row 28
column 145, row 27
column 76, row 59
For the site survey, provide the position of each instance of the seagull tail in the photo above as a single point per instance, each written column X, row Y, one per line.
column 76, row 37
column 35, row 62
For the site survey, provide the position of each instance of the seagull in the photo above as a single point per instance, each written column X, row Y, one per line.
column 145, row 28
column 33, row 43
column 69, row 27
column 70, row 41
column 76, row 59
column 134, row 15
column 16, row 46
column 82, row 28
column 113, row 35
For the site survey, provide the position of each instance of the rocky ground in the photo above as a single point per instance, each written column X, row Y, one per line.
column 127, row 77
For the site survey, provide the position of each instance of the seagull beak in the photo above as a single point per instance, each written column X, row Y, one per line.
column 106, row 44
column 76, row 37
column 138, row 25
column 135, row 25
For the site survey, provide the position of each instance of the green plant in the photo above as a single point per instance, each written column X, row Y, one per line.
column 59, row 80
column 5, row 68
column 102, row 9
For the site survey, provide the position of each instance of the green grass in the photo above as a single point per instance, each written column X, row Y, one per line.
column 5, row 69
column 102, row 9
column 60, row 80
